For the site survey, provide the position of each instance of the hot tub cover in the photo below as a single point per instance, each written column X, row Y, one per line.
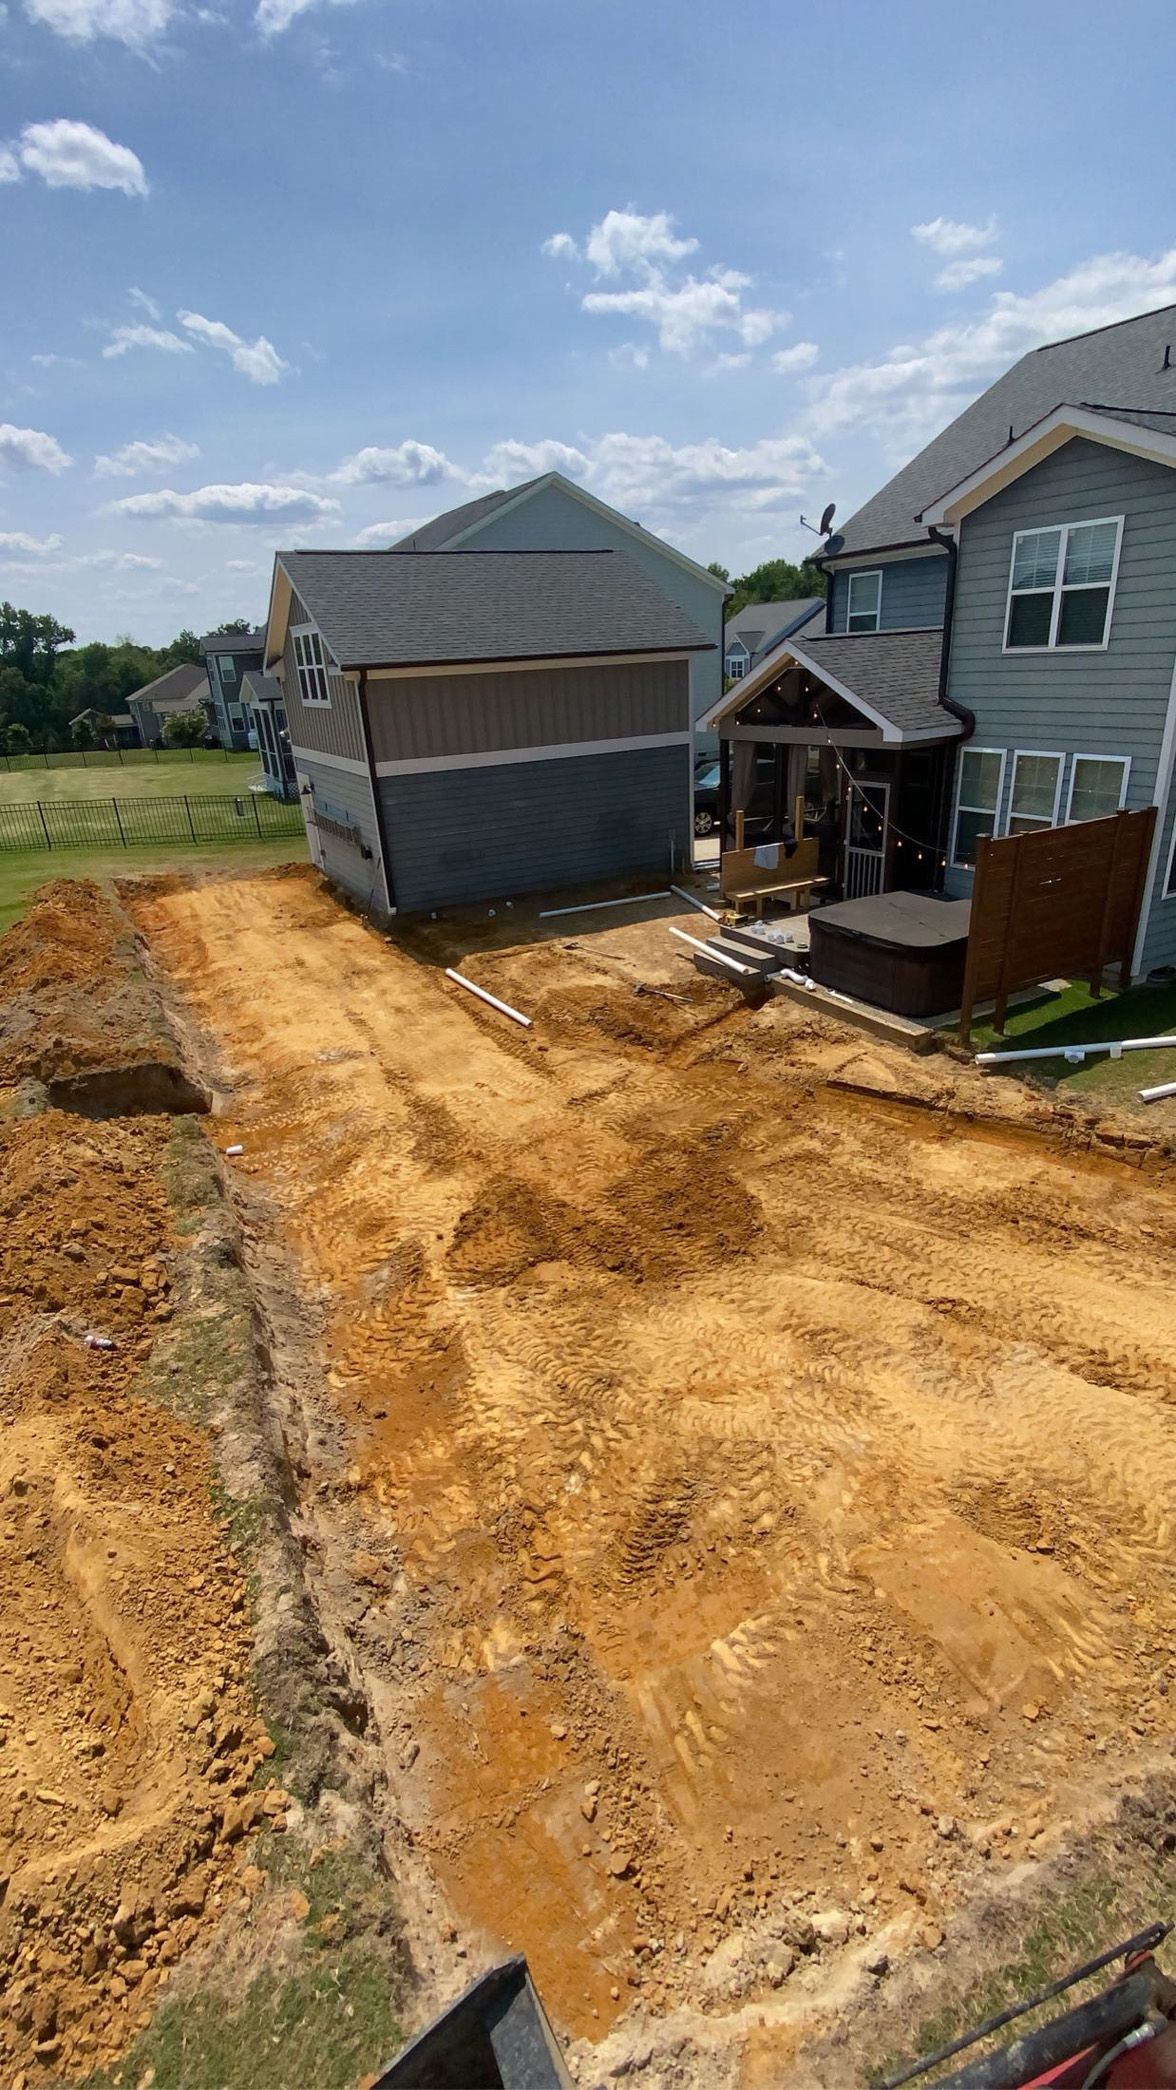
column 900, row 921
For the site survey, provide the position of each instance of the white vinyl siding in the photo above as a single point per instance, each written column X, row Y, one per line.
column 978, row 796
column 864, row 610
column 1098, row 786
column 1036, row 791
column 311, row 663
column 1062, row 586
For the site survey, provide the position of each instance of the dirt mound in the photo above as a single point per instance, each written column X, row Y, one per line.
column 127, row 1735
column 72, row 990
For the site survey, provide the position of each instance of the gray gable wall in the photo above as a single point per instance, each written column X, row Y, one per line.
column 913, row 594
column 1113, row 702
column 552, row 520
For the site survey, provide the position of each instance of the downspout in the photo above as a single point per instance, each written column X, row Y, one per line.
column 374, row 782
column 967, row 718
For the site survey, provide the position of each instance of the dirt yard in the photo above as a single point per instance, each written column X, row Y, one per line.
column 766, row 1487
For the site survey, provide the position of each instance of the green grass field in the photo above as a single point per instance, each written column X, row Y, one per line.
column 23, row 871
column 1074, row 1017
column 209, row 773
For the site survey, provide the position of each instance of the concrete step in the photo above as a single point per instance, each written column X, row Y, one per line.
column 762, row 956
column 753, row 985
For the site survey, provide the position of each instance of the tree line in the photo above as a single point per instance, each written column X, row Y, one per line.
column 47, row 680
column 777, row 580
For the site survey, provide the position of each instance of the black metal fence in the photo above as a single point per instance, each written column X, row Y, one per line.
column 113, row 757
column 136, row 823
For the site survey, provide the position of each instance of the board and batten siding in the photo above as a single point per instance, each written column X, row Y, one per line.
column 333, row 729
column 1105, row 702
column 343, row 795
column 421, row 716
column 552, row 520
column 914, row 592
column 500, row 829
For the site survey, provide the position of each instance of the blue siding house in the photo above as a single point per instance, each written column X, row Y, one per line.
column 1032, row 546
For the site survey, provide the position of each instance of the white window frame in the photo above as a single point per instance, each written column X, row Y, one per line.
column 872, row 573
column 737, row 664
column 1124, row 762
column 1003, row 752
column 313, row 676
column 226, row 668
column 1040, row 754
column 1060, row 587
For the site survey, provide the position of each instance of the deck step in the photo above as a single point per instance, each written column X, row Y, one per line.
column 744, row 952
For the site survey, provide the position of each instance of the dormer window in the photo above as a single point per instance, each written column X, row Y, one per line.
column 1062, row 586
column 864, row 605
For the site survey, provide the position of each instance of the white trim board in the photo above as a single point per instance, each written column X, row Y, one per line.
column 314, row 754
column 1039, row 442
column 1035, row 754
column 1164, row 772
column 496, row 758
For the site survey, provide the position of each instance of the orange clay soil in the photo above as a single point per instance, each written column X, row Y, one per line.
column 126, row 1729
column 768, row 1489
column 71, row 993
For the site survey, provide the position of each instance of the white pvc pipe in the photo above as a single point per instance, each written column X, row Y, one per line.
column 709, row 952
column 471, row 987
column 546, row 914
column 1074, row 1053
column 700, row 904
column 1156, row 1095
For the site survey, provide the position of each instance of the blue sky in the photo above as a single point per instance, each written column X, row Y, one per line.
column 295, row 271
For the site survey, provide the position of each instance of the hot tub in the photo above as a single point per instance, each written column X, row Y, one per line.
column 902, row 951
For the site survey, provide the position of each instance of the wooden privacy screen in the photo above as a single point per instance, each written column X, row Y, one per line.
column 1057, row 900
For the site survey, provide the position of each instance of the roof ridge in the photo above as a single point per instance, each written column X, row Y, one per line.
column 514, row 551
column 1085, row 334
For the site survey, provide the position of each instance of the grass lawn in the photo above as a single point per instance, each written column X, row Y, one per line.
column 23, row 871
column 173, row 776
column 1075, row 1018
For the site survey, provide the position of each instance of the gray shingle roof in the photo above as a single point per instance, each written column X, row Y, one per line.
column 895, row 672
column 239, row 642
column 266, row 687
column 435, row 535
column 179, row 682
column 1122, row 362
column 376, row 609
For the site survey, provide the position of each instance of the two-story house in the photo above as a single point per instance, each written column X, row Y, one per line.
column 227, row 658
column 1011, row 596
column 551, row 514
column 758, row 627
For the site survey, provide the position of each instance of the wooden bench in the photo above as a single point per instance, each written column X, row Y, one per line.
column 742, row 880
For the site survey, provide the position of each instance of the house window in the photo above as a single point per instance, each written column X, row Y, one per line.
column 1037, row 787
column 978, row 803
column 1062, row 586
column 864, row 605
column 736, row 666
column 227, row 666
column 1098, row 786
column 312, row 667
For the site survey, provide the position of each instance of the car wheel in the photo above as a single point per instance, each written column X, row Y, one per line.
column 704, row 821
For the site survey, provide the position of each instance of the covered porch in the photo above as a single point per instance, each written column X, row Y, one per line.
column 842, row 740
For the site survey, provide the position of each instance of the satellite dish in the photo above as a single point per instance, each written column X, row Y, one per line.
column 827, row 519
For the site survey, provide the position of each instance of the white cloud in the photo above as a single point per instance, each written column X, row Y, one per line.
column 629, row 355
column 914, row 390
column 738, row 361
column 273, row 16
column 132, row 22
column 801, row 356
column 638, row 473
column 124, row 338
column 685, row 311
column 377, row 535
column 511, row 461
column 257, row 360
column 19, row 543
column 953, row 236
column 405, row 464
column 145, row 304
column 155, row 456
column 69, row 155
column 959, row 274
column 253, row 566
column 31, row 450
column 47, row 359
column 9, row 164
column 243, row 503
column 120, row 562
